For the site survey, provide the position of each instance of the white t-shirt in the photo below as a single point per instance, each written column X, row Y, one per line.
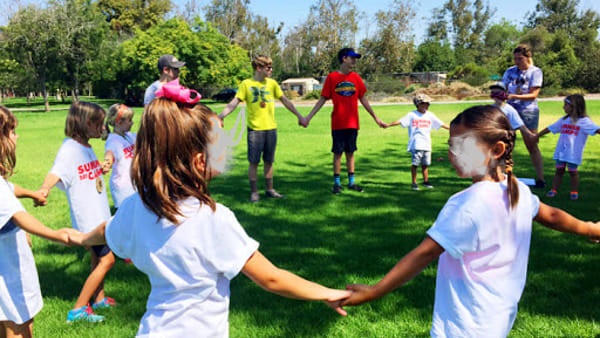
column 419, row 129
column 20, row 294
column 522, row 82
column 150, row 92
column 80, row 175
column 513, row 116
column 189, row 265
column 481, row 274
column 572, row 139
column 123, row 149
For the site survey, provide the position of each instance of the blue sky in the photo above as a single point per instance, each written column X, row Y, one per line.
column 294, row 12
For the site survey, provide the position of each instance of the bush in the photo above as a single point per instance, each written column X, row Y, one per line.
column 314, row 95
column 291, row 94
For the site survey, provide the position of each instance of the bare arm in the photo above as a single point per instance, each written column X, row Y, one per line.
column 50, row 181
column 405, row 270
column 290, row 106
column 36, row 196
column 109, row 160
column 315, row 109
column 94, row 237
column 229, row 107
column 365, row 102
column 532, row 95
column 562, row 221
column 284, row 283
column 30, row 224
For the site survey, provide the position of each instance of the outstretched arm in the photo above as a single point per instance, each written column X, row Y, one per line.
column 36, row 196
column 109, row 160
column 94, row 237
column 562, row 221
column 290, row 106
column 365, row 102
column 229, row 108
column 284, row 283
column 315, row 109
column 405, row 270
column 30, row 224
column 50, row 181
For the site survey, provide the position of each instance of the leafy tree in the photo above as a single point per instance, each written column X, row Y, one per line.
column 125, row 16
column 32, row 38
column 433, row 55
column 391, row 50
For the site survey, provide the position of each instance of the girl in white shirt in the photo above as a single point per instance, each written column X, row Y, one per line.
column 481, row 236
column 20, row 293
column 78, row 172
column 189, row 245
column 574, row 128
column 118, row 151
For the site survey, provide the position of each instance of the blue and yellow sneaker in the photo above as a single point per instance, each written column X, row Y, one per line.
column 83, row 313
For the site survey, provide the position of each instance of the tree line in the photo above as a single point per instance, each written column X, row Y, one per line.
column 110, row 47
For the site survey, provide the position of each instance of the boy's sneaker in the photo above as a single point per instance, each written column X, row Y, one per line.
column 574, row 195
column 427, row 185
column 414, row 186
column 539, row 184
column 106, row 302
column 254, row 197
column 83, row 313
column 355, row 187
column 551, row 193
column 336, row 189
column 273, row 194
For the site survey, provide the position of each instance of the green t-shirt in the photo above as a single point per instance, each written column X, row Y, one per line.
column 260, row 102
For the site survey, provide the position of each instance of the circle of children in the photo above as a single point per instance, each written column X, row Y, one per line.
column 190, row 246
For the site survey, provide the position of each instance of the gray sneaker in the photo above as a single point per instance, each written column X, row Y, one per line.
column 414, row 186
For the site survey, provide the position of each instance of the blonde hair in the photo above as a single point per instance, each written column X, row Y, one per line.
column 261, row 61
column 116, row 113
column 170, row 137
column 80, row 113
column 8, row 157
column 490, row 126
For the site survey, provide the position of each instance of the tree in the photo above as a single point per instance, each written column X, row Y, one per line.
column 31, row 36
column 125, row 16
column 391, row 50
column 433, row 55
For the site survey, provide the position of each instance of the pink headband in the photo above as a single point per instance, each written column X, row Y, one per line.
column 178, row 93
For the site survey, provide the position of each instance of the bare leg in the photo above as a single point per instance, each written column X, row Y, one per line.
column 574, row 180
column 558, row 176
column 350, row 162
column 252, row 169
column 13, row 330
column 413, row 173
column 425, row 171
column 337, row 163
column 536, row 157
column 93, row 283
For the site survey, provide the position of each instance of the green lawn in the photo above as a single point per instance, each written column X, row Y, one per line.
column 334, row 240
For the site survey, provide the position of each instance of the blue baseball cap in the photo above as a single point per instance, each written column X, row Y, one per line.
column 347, row 52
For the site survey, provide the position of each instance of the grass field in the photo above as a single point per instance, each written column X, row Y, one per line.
column 333, row 239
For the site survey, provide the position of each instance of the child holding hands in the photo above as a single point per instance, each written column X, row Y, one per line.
column 118, row 151
column 189, row 245
column 481, row 236
column 78, row 172
column 574, row 128
column 419, row 123
column 20, row 294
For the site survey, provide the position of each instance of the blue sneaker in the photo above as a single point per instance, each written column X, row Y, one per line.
column 106, row 302
column 83, row 313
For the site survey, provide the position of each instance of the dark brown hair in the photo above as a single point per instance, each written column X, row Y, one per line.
column 8, row 157
column 170, row 137
column 490, row 125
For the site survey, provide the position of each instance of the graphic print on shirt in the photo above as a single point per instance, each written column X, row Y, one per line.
column 128, row 151
column 570, row 129
column 417, row 123
column 89, row 171
column 345, row 88
column 260, row 93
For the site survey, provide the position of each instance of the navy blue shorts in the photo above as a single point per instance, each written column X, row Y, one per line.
column 101, row 250
column 344, row 141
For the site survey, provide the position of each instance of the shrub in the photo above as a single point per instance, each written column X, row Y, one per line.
column 313, row 95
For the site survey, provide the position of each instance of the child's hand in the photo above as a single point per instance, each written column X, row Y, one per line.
column 43, row 192
column 360, row 294
column 38, row 198
column 106, row 165
column 70, row 236
column 335, row 300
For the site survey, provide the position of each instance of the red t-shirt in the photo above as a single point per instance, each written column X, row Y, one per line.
column 344, row 90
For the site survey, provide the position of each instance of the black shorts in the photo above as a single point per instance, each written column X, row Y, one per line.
column 261, row 142
column 344, row 140
column 101, row 250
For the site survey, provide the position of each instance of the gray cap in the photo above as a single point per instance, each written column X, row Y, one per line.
column 499, row 85
column 170, row 61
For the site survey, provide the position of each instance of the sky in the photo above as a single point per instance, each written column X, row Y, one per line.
column 294, row 12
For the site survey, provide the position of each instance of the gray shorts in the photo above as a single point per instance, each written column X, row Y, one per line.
column 261, row 142
column 421, row 157
column 531, row 118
